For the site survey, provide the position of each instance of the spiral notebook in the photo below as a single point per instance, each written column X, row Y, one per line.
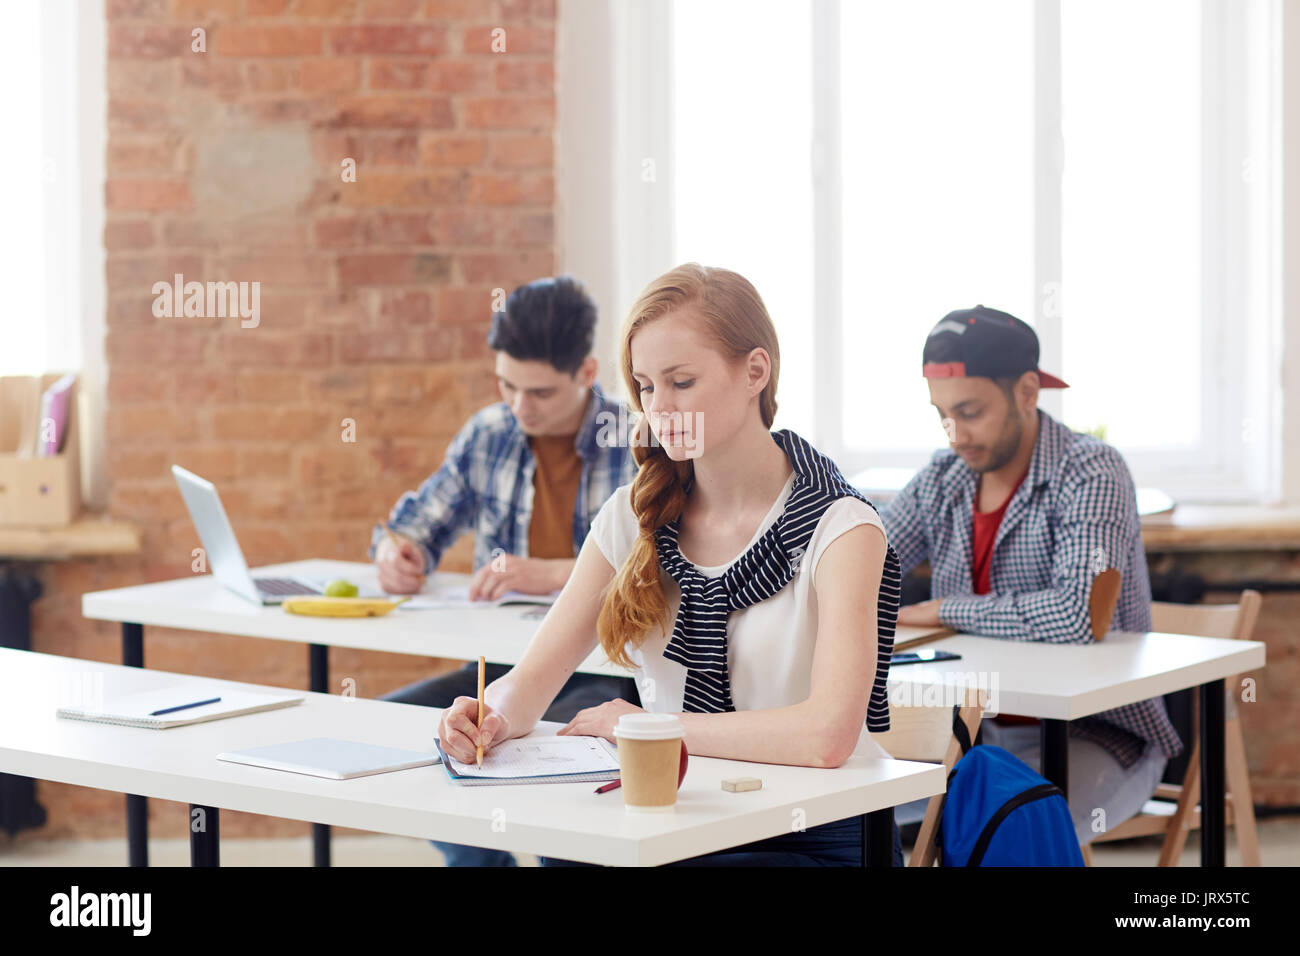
column 135, row 710
column 538, row 759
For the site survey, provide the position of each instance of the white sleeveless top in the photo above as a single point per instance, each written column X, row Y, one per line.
column 769, row 645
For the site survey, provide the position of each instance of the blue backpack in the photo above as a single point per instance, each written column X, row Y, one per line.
column 998, row 812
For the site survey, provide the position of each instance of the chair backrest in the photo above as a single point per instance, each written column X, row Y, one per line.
column 924, row 733
column 1235, row 621
column 917, row 733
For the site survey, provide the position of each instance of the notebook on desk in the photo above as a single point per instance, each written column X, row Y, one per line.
column 458, row 597
column 329, row 757
column 138, row 709
column 907, row 636
column 538, row 759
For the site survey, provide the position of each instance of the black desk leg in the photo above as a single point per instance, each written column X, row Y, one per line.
column 1213, row 715
column 1056, row 753
column 878, row 838
column 205, row 836
column 320, row 681
column 137, row 808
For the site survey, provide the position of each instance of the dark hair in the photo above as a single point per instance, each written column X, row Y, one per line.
column 551, row 320
column 1008, row 386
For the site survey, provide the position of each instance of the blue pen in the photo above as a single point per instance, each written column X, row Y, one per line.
column 197, row 703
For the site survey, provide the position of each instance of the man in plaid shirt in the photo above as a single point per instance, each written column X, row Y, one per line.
column 526, row 475
column 1017, row 520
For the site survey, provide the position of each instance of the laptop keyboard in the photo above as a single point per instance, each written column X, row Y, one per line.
column 282, row 586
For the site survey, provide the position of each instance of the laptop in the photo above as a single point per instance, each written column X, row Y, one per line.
column 224, row 555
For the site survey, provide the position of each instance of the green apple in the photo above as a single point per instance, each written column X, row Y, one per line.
column 340, row 587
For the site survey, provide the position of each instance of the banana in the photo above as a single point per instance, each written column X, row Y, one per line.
column 339, row 607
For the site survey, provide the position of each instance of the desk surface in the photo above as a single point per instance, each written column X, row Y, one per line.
column 200, row 603
column 1032, row 679
column 1222, row 528
column 561, row 820
column 1068, row 681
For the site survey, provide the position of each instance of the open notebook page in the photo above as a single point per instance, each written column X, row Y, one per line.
column 539, row 756
column 458, row 597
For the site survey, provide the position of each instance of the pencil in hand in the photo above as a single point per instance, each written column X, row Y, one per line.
column 482, row 663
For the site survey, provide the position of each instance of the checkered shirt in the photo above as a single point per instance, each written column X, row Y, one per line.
column 485, row 484
column 1074, row 515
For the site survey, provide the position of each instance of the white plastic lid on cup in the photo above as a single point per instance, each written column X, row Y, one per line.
column 649, row 727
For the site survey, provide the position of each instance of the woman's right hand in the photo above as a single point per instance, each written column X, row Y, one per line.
column 401, row 566
column 460, row 736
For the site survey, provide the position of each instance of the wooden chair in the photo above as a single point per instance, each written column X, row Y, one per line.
column 926, row 734
column 1173, row 809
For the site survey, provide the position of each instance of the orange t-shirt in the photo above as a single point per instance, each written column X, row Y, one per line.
column 555, row 493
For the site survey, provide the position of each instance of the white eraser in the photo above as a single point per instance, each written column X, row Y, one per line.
column 740, row 784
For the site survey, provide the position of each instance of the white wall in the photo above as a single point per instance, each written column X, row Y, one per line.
column 615, row 229
column 584, row 169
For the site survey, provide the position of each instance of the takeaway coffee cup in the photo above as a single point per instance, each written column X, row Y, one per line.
column 652, row 760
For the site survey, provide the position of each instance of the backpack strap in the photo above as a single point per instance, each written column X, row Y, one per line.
column 1019, row 800
column 963, row 740
column 959, row 730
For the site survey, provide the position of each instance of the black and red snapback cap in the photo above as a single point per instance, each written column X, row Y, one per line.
column 983, row 343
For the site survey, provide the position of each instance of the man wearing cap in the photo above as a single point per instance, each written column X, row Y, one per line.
column 1032, row 534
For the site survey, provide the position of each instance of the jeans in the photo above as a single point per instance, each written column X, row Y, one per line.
column 578, row 693
column 832, row 844
column 1097, row 781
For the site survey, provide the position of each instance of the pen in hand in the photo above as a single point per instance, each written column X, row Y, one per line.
column 482, row 662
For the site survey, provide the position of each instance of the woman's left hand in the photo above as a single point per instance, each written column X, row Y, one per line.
column 925, row 614
column 599, row 721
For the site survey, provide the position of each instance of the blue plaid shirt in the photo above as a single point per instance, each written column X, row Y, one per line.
column 1074, row 515
column 485, row 484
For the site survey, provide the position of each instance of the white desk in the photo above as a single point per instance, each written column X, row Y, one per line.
column 1054, row 682
column 200, row 603
column 1062, row 682
column 567, row 821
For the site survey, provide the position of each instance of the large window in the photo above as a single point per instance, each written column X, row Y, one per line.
column 1133, row 221
column 1103, row 169
column 27, row 347
column 52, row 68
column 937, row 186
column 743, row 185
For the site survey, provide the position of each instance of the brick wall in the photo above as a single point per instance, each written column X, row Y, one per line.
column 228, row 165
column 1271, row 725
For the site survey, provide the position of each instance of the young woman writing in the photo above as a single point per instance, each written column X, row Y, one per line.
column 749, row 587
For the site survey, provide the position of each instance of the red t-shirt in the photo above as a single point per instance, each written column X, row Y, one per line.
column 984, row 531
